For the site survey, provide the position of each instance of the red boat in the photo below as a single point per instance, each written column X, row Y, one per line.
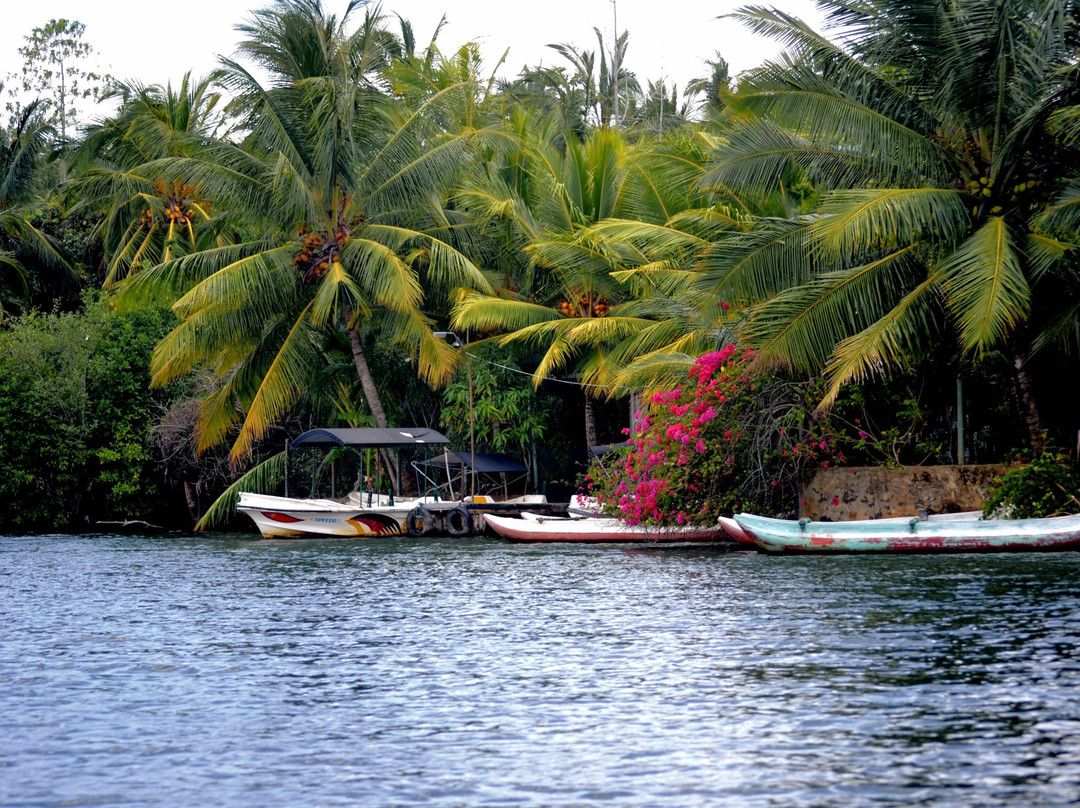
column 534, row 527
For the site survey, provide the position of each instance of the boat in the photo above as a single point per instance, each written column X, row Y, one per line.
column 534, row 527
column 359, row 514
column 731, row 527
column 354, row 517
column 486, row 474
column 966, row 532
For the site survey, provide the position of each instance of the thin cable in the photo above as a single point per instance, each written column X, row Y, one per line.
column 546, row 378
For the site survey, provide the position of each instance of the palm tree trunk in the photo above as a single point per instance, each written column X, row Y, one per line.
column 1028, row 409
column 371, row 394
column 367, row 382
column 590, row 423
column 192, row 499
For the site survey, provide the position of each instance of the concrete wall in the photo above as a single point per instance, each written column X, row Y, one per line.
column 873, row 492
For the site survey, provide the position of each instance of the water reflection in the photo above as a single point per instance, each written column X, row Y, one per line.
column 184, row 670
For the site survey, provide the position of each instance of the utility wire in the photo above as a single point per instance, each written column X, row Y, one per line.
column 547, row 378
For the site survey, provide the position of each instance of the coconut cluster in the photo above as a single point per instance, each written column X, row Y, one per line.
column 584, row 307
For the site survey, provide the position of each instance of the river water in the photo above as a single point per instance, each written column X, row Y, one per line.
column 229, row 671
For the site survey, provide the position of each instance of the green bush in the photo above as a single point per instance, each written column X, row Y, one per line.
column 1048, row 486
column 75, row 418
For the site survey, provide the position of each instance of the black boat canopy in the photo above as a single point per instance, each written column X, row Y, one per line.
column 369, row 437
column 485, row 463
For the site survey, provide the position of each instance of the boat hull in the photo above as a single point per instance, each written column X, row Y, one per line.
column 285, row 517
column 535, row 528
column 911, row 535
column 731, row 527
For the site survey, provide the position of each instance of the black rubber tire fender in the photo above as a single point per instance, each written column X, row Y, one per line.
column 419, row 521
column 458, row 521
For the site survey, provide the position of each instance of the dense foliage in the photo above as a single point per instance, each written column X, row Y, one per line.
column 1047, row 486
column 492, row 404
column 885, row 223
column 76, row 418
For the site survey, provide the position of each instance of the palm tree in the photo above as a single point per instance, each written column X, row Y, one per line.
column 686, row 257
column 712, row 88
column 25, row 251
column 148, row 220
column 657, row 110
column 339, row 185
column 584, row 96
column 558, row 208
column 948, row 210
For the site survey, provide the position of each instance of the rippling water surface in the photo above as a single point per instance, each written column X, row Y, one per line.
column 182, row 671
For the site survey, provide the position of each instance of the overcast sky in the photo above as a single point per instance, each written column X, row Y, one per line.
column 156, row 42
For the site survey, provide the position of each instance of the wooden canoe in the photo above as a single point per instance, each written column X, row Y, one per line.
column 912, row 535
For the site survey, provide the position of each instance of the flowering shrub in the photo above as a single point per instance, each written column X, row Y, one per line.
column 1047, row 486
column 726, row 439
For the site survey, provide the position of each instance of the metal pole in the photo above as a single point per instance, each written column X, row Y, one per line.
column 472, row 424
column 960, row 460
column 454, row 342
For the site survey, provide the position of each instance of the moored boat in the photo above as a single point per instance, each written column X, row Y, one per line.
column 531, row 527
column 915, row 535
column 731, row 527
column 360, row 514
column 289, row 517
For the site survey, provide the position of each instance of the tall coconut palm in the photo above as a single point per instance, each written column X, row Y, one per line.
column 584, row 96
column 146, row 219
column 948, row 211
column 339, row 184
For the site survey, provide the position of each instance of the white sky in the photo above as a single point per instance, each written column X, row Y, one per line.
column 156, row 42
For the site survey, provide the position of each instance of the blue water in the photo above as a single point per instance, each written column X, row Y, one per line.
column 211, row 671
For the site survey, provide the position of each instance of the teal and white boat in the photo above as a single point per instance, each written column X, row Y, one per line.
column 956, row 533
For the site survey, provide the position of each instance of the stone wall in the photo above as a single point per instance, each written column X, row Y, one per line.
column 873, row 493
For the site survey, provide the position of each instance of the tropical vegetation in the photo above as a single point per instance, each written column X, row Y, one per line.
column 864, row 251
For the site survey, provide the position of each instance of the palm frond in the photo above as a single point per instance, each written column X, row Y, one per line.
column 985, row 286
column 750, row 267
column 381, row 273
column 485, row 313
column 872, row 219
column 901, row 332
column 285, row 380
column 264, row 478
column 801, row 326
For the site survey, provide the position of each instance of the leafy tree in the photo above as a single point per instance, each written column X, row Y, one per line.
column 54, row 69
column 75, row 416
column 508, row 414
column 30, row 262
